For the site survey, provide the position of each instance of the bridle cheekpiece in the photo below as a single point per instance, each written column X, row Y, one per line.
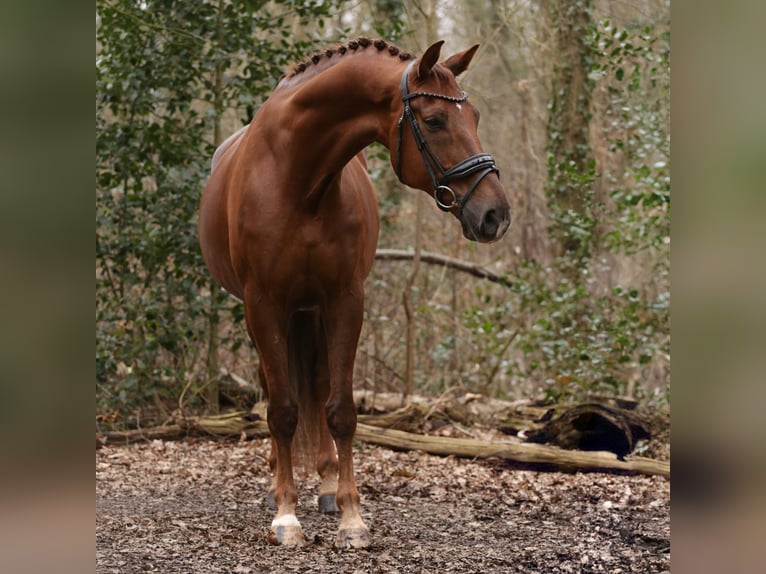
column 445, row 197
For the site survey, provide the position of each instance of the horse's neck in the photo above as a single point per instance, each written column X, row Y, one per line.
column 333, row 116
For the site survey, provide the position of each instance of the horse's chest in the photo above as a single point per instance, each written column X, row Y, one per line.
column 329, row 235
column 317, row 253
column 303, row 257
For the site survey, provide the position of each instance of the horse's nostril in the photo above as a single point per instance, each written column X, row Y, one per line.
column 490, row 223
column 494, row 223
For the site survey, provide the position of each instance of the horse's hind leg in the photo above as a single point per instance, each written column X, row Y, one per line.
column 344, row 322
column 327, row 461
column 273, row 454
column 328, row 470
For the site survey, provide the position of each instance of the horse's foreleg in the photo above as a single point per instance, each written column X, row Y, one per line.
column 344, row 323
column 273, row 454
column 270, row 339
column 270, row 502
column 285, row 528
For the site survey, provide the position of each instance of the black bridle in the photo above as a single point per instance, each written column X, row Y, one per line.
column 443, row 194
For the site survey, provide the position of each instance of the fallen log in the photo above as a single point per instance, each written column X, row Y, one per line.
column 162, row 432
column 235, row 424
column 512, row 451
column 409, row 418
column 225, row 425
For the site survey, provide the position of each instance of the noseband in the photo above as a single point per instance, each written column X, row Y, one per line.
column 483, row 163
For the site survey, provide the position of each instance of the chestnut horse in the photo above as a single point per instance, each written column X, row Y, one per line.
column 288, row 223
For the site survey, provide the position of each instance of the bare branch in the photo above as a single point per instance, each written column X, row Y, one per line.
column 437, row 259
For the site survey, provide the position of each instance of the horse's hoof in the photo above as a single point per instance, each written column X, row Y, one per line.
column 353, row 538
column 286, row 531
column 287, row 536
column 327, row 504
column 270, row 502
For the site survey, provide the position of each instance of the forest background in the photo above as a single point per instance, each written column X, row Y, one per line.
column 575, row 104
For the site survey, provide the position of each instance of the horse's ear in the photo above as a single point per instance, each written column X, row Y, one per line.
column 458, row 63
column 429, row 58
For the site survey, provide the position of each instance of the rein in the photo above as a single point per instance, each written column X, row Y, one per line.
column 445, row 197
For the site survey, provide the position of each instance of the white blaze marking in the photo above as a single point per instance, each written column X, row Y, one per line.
column 459, row 106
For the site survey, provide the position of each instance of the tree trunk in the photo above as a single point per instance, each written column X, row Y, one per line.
column 570, row 157
column 428, row 11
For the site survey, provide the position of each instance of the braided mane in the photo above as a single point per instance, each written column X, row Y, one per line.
column 322, row 59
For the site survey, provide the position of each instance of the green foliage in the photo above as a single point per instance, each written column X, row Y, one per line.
column 637, row 63
column 388, row 19
column 571, row 206
column 389, row 190
column 580, row 343
column 476, row 352
column 584, row 338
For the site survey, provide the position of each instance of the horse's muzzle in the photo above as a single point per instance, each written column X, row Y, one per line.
column 487, row 226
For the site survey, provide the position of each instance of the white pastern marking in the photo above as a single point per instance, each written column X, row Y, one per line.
column 285, row 520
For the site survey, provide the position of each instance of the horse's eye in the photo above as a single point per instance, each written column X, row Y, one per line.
column 434, row 123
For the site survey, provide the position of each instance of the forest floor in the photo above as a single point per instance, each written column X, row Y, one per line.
column 197, row 506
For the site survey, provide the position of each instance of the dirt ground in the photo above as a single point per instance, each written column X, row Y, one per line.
column 197, row 506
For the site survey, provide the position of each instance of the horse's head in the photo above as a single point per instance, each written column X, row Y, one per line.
column 435, row 146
